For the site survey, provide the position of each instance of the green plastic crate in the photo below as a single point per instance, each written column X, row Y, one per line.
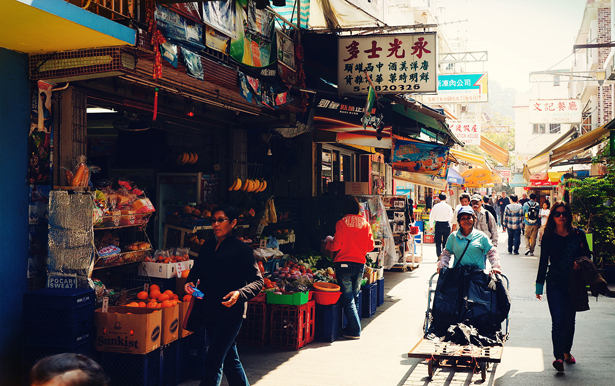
column 294, row 299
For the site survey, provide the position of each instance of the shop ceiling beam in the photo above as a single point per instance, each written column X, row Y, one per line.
column 464, row 57
column 378, row 28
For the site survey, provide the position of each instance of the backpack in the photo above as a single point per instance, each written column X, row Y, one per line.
column 533, row 212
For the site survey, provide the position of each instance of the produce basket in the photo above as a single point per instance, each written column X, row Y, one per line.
column 123, row 219
column 122, row 258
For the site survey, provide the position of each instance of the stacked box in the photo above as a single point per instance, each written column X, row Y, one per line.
column 328, row 322
column 370, row 299
column 380, row 284
column 192, row 353
column 292, row 327
column 255, row 327
column 58, row 320
column 132, row 369
column 359, row 309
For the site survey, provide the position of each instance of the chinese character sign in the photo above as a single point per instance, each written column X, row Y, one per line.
column 395, row 63
column 420, row 157
column 460, row 88
column 555, row 111
column 466, row 131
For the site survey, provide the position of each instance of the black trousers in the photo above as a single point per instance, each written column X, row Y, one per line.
column 443, row 230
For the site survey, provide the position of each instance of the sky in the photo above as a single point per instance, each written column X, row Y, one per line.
column 520, row 36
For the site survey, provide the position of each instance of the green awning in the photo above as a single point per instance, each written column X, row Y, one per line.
column 436, row 128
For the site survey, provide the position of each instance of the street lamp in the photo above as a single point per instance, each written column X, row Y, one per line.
column 600, row 77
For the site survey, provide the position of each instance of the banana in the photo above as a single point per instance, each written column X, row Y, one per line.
column 196, row 158
column 185, row 157
column 179, row 158
column 257, row 186
column 192, row 158
column 260, row 186
column 249, row 187
column 239, row 184
column 252, row 185
column 246, row 183
column 264, row 186
column 232, row 187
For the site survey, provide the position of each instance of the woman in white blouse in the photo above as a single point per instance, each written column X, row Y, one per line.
column 544, row 214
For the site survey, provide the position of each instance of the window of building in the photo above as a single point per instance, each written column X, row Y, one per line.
column 539, row 128
column 555, row 128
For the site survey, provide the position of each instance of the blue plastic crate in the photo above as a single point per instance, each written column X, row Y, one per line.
column 192, row 352
column 170, row 364
column 59, row 336
column 132, row 369
column 33, row 353
column 380, row 284
column 53, row 307
column 359, row 309
column 370, row 299
column 328, row 322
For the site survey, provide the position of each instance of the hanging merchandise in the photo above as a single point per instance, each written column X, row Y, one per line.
column 375, row 213
column 419, row 157
column 260, row 22
column 194, row 66
column 244, row 88
column 221, row 15
column 179, row 29
column 41, row 128
column 216, row 41
column 169, row 53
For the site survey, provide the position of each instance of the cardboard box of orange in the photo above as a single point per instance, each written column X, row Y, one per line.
column 170, row 325
column 164, row 271
column 183, row 308
column 130, row 330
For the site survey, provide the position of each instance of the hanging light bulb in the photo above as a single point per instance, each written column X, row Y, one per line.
column 189, row 109
column 269, row 151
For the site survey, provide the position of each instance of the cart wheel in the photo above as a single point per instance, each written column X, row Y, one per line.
column 483, row 371
column 430, row 367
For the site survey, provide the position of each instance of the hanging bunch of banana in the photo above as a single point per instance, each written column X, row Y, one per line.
column 187, row 158
column 249, row 185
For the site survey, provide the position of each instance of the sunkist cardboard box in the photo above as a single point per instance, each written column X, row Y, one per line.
column 130, row 330
column 183, row 308
column 170, row 325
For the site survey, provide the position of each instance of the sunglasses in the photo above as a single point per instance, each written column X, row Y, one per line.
column 220, row 220
column 558, row 214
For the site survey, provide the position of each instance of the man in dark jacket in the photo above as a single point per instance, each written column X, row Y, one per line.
column 489, row 207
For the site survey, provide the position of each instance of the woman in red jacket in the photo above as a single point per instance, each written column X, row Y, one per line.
column 353, row 240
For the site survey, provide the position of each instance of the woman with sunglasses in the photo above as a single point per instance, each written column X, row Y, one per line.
column 561, row 244
column 229, row 277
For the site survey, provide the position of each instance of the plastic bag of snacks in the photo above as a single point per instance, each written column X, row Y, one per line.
column 161, row 255
column 181, row 254
column 81, row 173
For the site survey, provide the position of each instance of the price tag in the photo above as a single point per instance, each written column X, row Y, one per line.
column 105, row 306
column 260, row 229
column 263, row 243
column 146, row 287
column 252, row 212
column 180, row 269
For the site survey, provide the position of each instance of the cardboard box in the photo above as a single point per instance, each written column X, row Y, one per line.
column 165, row 271
column 353, row 188
column 183, row 308
column 131, row 330
column 170, row 325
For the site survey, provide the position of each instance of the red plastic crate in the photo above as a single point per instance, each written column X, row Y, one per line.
column 292, row 327
column 260, row 298
column 255, row 327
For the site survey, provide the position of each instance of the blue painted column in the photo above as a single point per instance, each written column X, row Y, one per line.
column 14, row 124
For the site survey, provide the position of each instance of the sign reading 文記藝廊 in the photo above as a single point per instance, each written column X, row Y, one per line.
column 460, row 88
column 555, row 111
column 396, row 63
column 466, row 131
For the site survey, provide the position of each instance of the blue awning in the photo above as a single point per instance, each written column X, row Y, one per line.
column 452, row 177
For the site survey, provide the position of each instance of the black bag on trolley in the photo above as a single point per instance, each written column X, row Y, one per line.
column 468, row 297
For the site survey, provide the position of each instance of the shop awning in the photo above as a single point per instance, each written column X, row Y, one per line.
column 38, row 26
column 420, row 179
column 499, row 153
column 580, row 144
column 452, row 177
column 336, row 14
column 474, row 159
column 517, row 181
column 359, row 137
column 541, row 161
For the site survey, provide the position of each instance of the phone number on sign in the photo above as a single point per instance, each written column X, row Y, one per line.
column 393, row 87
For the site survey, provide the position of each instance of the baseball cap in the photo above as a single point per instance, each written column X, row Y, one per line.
column 465, row 210
column 476, row 197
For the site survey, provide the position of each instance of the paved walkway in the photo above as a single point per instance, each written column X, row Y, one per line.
column 380, row 358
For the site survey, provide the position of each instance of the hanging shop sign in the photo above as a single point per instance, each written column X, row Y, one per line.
column 421, row 179
column 460, row 88
column 555, row 111
column 466, row 131
column 395, row 63
column 420, row 157
column 344, row 118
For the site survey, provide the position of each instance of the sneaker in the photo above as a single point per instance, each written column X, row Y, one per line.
column 527, row 253
column 516, row 253
column 531, row 253
column 570, row 360
column 509, row 252
column 558, row 364
column 347, row 336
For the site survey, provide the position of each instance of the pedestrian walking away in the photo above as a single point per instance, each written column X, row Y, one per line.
column 522, row 201
column 513, row 220
column 490, row 208
column 485, row 221
column 531, row 222
column 442, row 214
column 544, row 214
column 353, row 239
column 503, row 201
column 561, row 245
column 229, row 277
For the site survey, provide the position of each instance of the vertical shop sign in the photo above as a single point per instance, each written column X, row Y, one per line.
column 396, row 63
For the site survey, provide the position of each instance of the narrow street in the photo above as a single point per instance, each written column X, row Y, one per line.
column 380, row 358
